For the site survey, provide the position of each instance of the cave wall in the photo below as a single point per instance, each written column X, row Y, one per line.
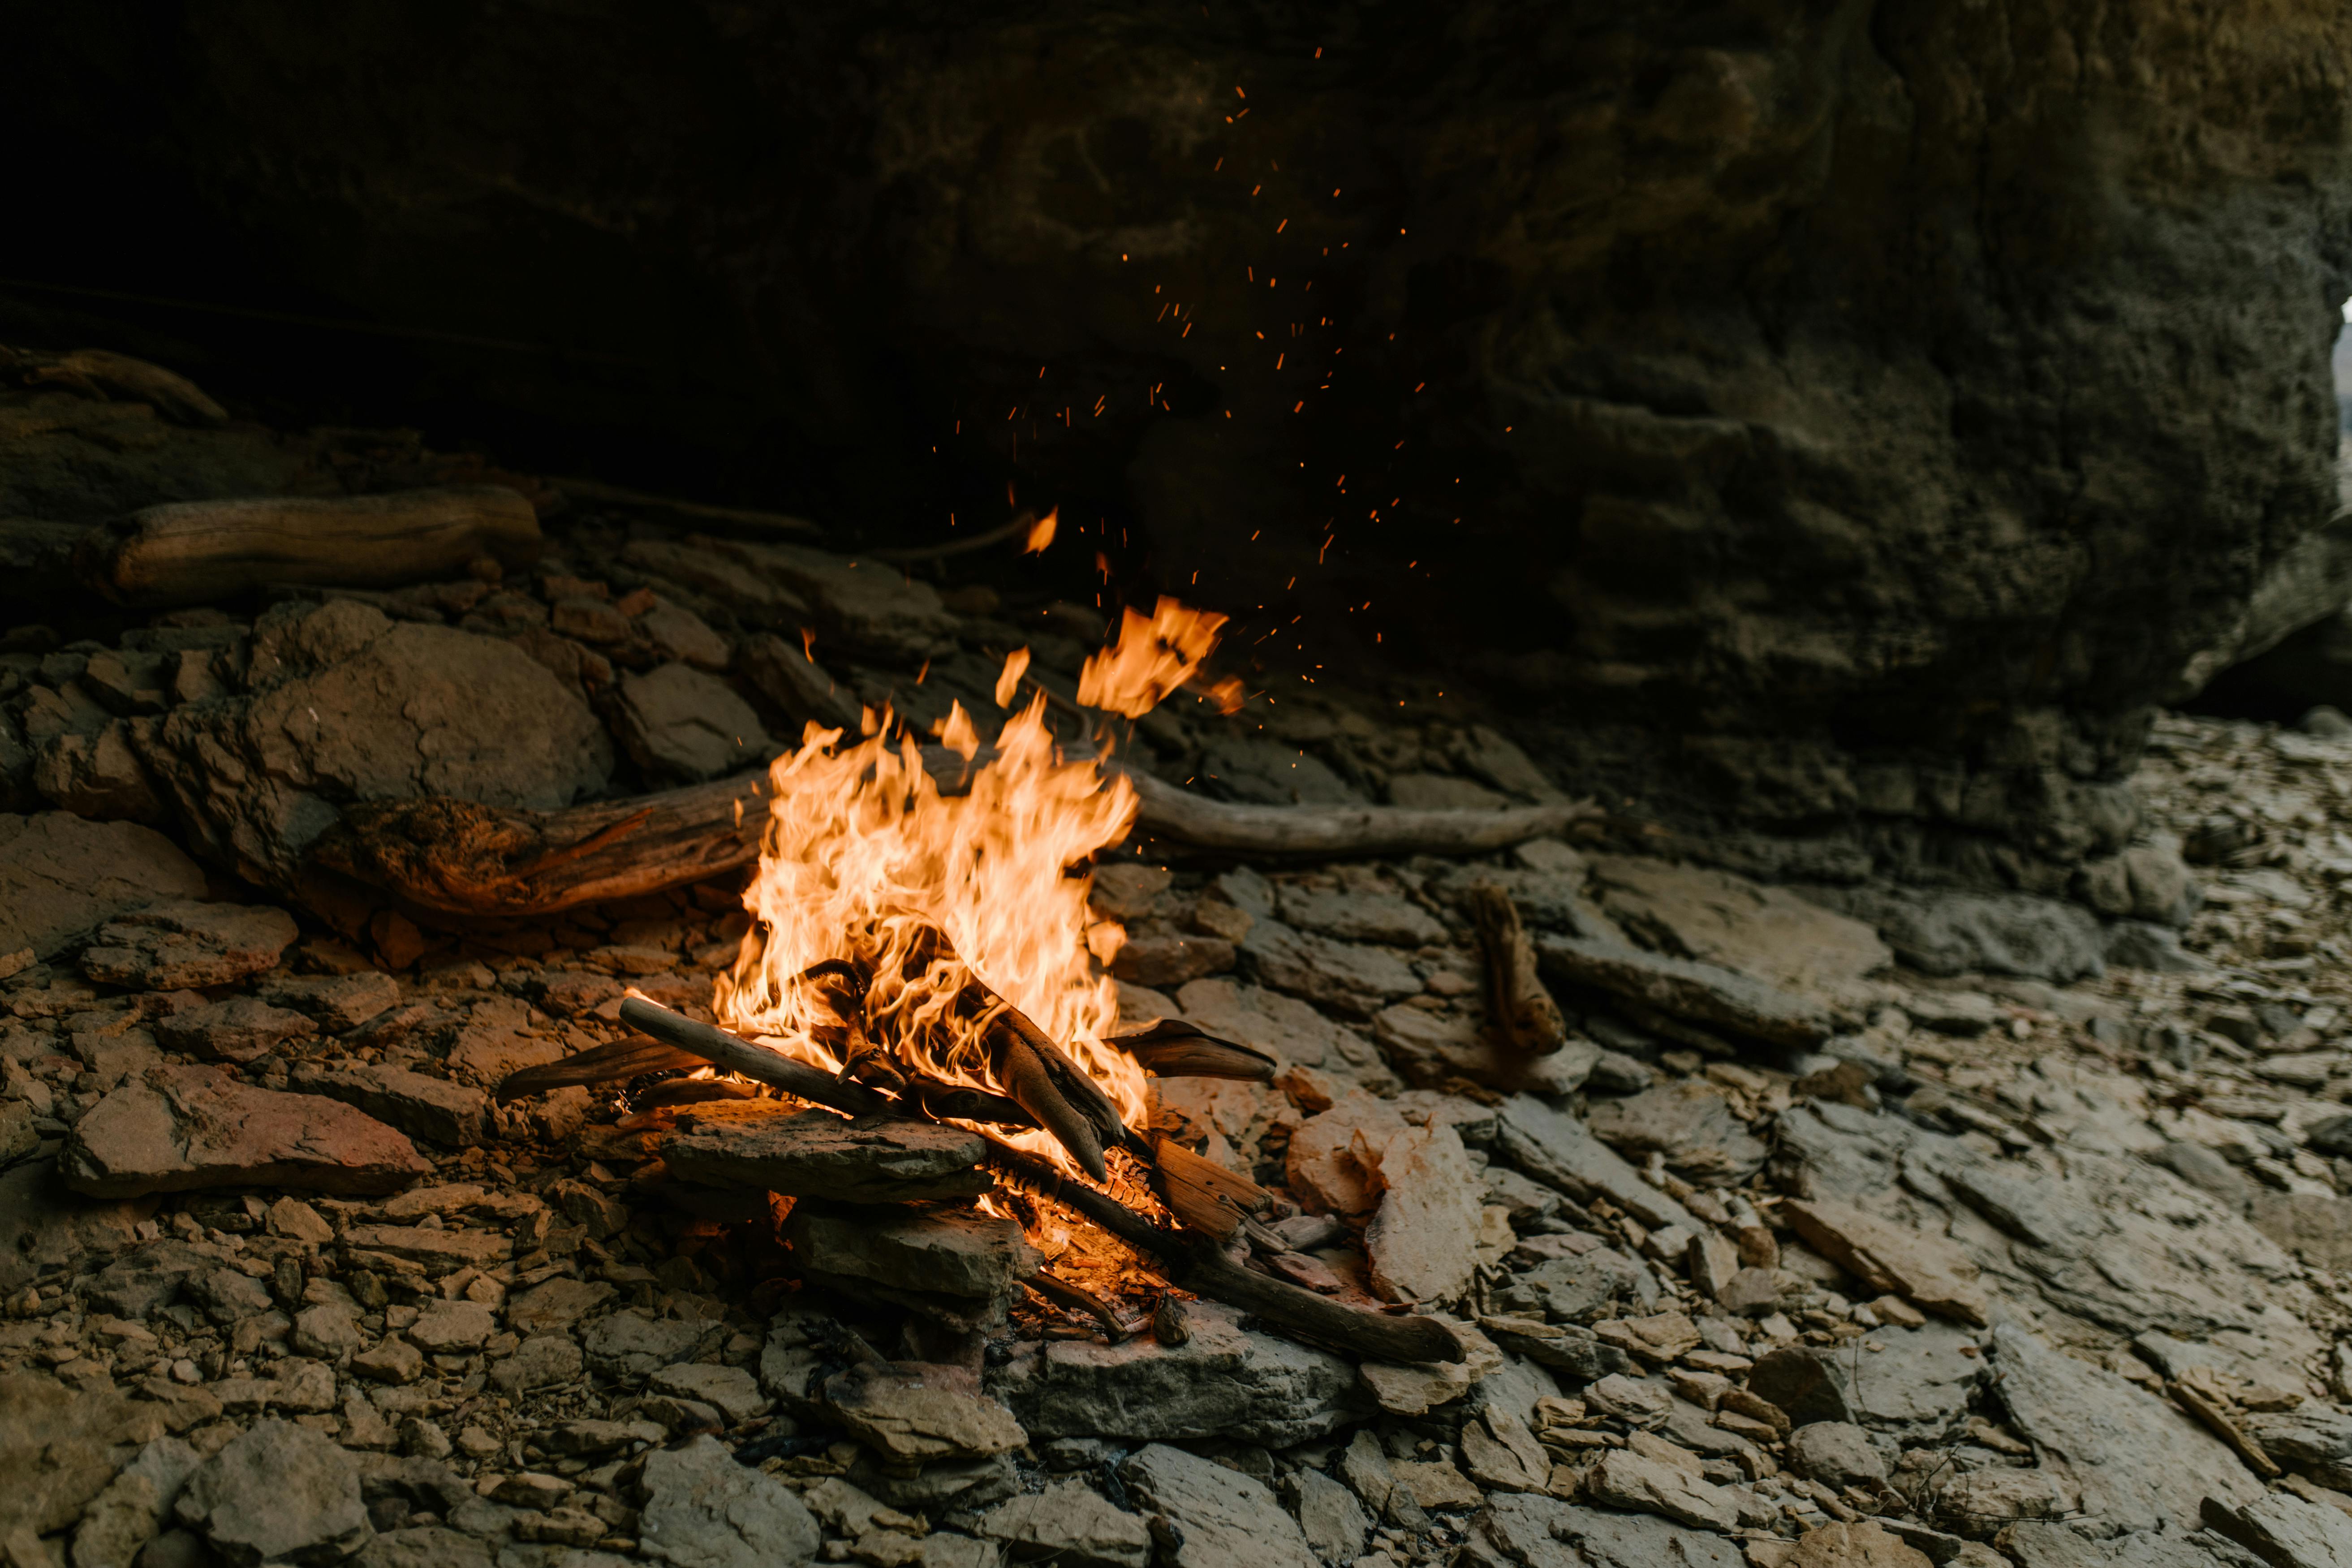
column 1844, row 419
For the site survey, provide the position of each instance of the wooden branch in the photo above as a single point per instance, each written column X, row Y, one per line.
column 616, row 1063
column 1520, row 1011
column 105, row 374
column 616, row 495
column 1195, row 1263
column 195, row 552
column 1173, row 1048
column 906, row 556
column 457, row 857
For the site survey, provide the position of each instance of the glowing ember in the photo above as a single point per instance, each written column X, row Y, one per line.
column 1041, row 533
column 1152, row 657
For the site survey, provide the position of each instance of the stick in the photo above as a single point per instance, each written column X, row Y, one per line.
column 1019, row 525
column 1521, row 1010
column 615, row 495
column 197, row 552
column 1072, row 1297
column 453, row 857
column 1197, row 1267
column 1172, row 1047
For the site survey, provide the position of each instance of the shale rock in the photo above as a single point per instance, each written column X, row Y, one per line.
column 1211, row 1516
column 185, row 945
column 702, row 1510
column 180, row 1128
column 1702, row 994
column 1070, row 1522
column 1350, row 978
column 1290, row 1030
column 963, row 1267
column 1940, row 931
column 2137, row 1461
column 241, row 1029
column 1423, row 1239
column 1224, row 1381
column 682, row 725
column 57, row 1445
column 1544, row 1533
column 61, row 878
column 1713, row 916
column 911, row 1413
column 278, row 1493
column 1560, row 1150
column 873, row 1160
column 433, row 1108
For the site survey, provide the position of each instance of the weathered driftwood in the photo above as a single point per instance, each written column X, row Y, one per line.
column 1196, row 1263
column 455, row 858
column 1519, row 1011
column 1172, row 1047
column 196, row 552
column 106, row 375
column 1203, row 1193
column 616, row 1063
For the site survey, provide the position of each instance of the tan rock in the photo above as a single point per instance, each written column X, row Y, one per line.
column 1423, row 1238
column 1933, row 1273
column 1334, row 1159
column 62, row 877
column 185, row 944
column 182, row 1129
column 1436, row 1483
column 1864, row 1544
column 1623, row 1478
column 914, row 1412
column 1716, row 918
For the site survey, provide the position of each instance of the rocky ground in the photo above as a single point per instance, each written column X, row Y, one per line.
column 1853, row 1224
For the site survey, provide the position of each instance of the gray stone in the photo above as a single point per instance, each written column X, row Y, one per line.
column 1290, row 1030
column 241, row 1029
column 1811, row 1384
column 1558, row 1149
column 1540, row 1531
column 2313, row 1437
column 542, row 1360
column 445, row 1327
column 1423, row 1239
column 1266, row 773
column 185, row 944
column 1224, row 1381
column 277, row 1493
column 2138, row 1461
column 909, row 1413
column 2315, row 1227
column 635, row 1345
column 961, row 1267
column 1702, row 994
column 1207, row 1516
column 1835, row 1452
column 2137, row 944
column 1919, row 1386
column 121, row 1519
column 1944, row 932
column 734, row 1391
column 343, row 705
column 868, row 607
column 1567, row 1346
column 2285, row 1532
column 339, row 1002
column 873, row 1160
column 780, row 669
column 680, row 724
column 1069, row 1522
column 433, row 1108
column 62, row 877
column 1352, row 979
column 428, row 1546
column 182, row 1128
column 1582, row 1288
column 1635, row 1482
column 702, row 1510
column 941, row 1488
column 1690, row 1123
column 1720, row 919
column 1353, row 915
column 1331, row 1518
column 555, row 1304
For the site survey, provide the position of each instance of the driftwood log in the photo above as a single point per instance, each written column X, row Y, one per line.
column 198, row 553
column 1520, row 1012
column 459, row 859
column 1196, row 1263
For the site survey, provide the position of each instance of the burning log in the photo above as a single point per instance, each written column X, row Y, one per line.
column 195, row 552
column 1521, row 1012
column 1197, row 1263
column 1172, row 1047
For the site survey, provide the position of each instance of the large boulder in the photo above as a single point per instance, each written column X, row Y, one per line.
column 61, row 878
column 343, row 705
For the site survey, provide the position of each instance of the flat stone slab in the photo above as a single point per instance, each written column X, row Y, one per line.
column 1224, row 1381
column 277, row 1493
column 241, row 1029
column 1556, row 1147
column 1220, row 1518
column 62, row 877
column 873, row 1160
column 430, row 1108
column 183, row 944
column 1701, row 993
column 966, row 1255
column 912, row 1412
column 181, row 1129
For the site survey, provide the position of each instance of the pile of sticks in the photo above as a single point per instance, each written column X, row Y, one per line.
column 1214, row 1207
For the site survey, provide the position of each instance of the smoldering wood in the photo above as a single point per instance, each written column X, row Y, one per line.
column 1203, row 1193
column 1078, row 1298
column 1196, row 1263
column 200, row 552
column 1519, row 1011
column 106, row 375
column 1173, row 1048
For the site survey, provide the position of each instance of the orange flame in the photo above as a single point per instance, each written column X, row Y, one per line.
column 1041, row 533
column 1152, row 658
column 864, row 859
